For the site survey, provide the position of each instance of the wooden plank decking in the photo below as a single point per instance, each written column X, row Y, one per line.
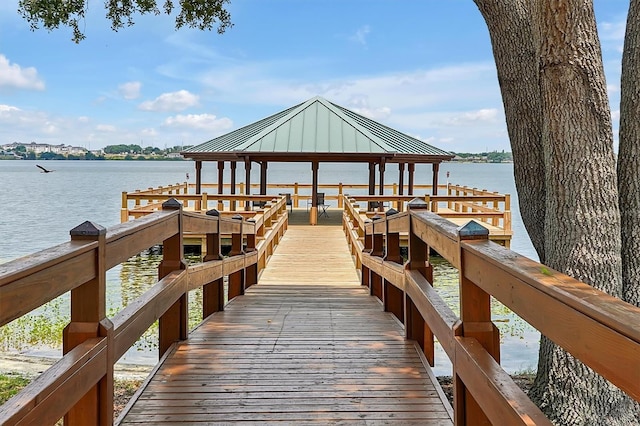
column 306, row 345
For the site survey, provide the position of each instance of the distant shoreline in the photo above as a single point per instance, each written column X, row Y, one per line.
column 97, row 159
column 185, row 159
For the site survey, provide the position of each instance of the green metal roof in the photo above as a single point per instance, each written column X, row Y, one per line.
column 316, row 126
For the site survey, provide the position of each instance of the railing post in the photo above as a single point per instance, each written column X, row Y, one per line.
column 236, row 279
column 204, row 203
column 340, row 201
column 393, row 297
column 173, row 324
column 475, row 316
column 365, row 275
column 377, row 250
column 415, row 326
column 88, row 320
column 251, row 271
column 213, row 292
column 124, row 211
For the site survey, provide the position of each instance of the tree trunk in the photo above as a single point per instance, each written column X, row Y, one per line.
column 509, row 23
column 582, row 222
column 629, row 157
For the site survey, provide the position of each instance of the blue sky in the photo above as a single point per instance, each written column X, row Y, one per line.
column 422, row 67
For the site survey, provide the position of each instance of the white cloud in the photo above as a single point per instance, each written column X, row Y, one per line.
column 208, row 122
column 613, row 30
column 360, row 35
column 612, row 35
column 486, row 114
column 130, row 90
column 174, row 101
column 8, row 108
column 360, row 104
column 13, row 75
column 108, row 128
column 149, row 132
column 615, row 116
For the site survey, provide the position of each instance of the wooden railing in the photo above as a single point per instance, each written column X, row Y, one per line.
column 454, row 201
column 79, row 387
column 609, row 338
column 300, row 192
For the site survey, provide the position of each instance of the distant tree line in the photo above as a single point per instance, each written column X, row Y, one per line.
column 489, row 157
column 137, row 150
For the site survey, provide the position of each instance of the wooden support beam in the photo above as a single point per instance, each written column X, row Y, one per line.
column 475, row 314
column 263, row 177
column 247, row 182
column 88, row 321
column 411, row 169
column 173, row 324
column 313, row 212
column 198, row 182
column 434, row 184
column 232, row 203
column 220, row 183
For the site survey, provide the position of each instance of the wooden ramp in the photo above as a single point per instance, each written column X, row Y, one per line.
column 305, row 345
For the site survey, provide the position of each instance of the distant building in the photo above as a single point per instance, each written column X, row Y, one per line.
column 174, row 155
column 39, row 148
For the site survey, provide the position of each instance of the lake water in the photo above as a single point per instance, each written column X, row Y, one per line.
column 40, row 209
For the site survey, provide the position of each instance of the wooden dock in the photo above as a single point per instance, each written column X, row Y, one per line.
column 306, row 345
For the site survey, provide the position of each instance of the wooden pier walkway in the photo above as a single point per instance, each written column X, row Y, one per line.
column 306, row 345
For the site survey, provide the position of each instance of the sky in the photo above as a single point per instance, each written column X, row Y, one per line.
column 424, row 68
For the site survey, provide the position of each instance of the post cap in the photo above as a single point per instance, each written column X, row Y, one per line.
column 391, row 212
column 417, row 203
column 376, row 217
column 88, row 229
column 237, row 217
column 213, row 212
column 472, row 230
column 171, row 204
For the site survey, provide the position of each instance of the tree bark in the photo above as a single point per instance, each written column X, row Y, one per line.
column 509, row 24
column 629, row 157
column 552, row 81
column 582, row 221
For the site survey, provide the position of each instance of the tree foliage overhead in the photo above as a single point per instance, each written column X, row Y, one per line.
column 53, row 14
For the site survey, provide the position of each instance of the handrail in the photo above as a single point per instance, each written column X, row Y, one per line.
column 298, row 191
column 82, row 380
column 531, row 290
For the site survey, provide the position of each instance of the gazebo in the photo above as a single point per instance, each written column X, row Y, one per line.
column 313, row 132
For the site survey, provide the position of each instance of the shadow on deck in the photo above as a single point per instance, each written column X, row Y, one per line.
column 306, row 345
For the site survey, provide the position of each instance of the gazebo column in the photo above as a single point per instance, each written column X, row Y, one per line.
column 436, row 169
column 313, row 213
column 372, row 183
column 381, row 189
column 247, row 182
column 220, row 183
column 263, row 178
column 400, row 204
column 233, row 185
column 412, row 169
column 198, row 182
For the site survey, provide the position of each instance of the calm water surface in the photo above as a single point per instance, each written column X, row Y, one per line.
column 40, row 209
